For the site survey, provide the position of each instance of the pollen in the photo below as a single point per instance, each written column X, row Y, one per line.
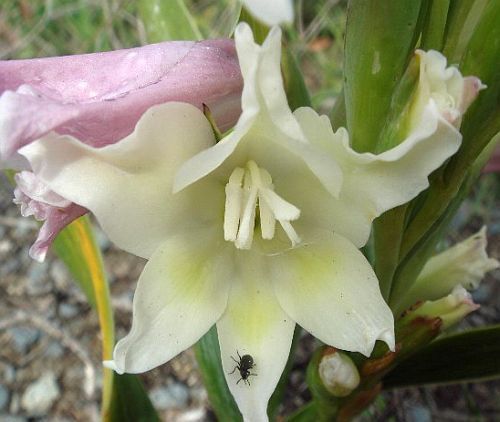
column 247, row 190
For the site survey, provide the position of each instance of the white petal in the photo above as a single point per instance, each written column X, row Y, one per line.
column 128, row 185
column 266, row 120
column 31, row 186
column 181, row 293
column 208, row 160
column 254, row 324
column 372, row 183
column 331, row 290
column 271, row 12
column 263, row 83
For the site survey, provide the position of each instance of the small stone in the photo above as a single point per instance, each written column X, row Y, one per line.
column 180, row 392
column 101, row 238
column 14, row 404
column 11, row 418
column 420, row 414
column 24, row 227
column 60, row 275
column 4, row 397
column 67, row 310
column 11, row 266
column 173, row 396
column 8, row 373
column 5, row 247
column 37, row 279
column 199, row 394
column 40, row 395
column 23, row 337
column 54, row 350
column 193, row 415
column 482, row 293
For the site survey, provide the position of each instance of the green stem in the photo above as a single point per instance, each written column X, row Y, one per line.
column 93, row 257
column 307, row 413
column 388, row 232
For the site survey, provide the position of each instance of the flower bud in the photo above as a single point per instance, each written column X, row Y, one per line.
column 450, row 309
column 445, row 86
column 338, row 373
column 464, row 264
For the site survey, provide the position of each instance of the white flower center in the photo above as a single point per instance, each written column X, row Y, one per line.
column 246, row 189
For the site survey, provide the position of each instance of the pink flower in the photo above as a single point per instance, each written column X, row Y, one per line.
column 98, row 98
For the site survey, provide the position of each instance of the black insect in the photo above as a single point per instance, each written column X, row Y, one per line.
column 243, row 366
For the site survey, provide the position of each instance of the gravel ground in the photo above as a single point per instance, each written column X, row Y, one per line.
column 50, row 347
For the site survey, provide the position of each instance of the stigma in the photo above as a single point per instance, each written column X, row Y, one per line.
column 250, row 188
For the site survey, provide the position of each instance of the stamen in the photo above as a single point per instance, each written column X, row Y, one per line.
column 247, row 222
column 234, row 202
column 267, row 220
column 246, row 189
column 290, row 231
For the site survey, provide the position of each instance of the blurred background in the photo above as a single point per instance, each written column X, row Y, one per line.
column 49, row 336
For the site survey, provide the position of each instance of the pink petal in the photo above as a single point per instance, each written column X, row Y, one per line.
column 99, row 97
column 472, row 86
column 57, row 219
column 45, row 205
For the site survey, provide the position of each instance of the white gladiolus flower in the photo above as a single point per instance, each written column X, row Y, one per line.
column 255, row 233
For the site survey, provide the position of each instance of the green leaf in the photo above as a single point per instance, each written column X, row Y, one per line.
column 387, row 234
column 295, row 87
column 435, row 25
column 166, row 20
column 207, row 352
column 75, row 246
column 467, row 356
column 130, row 402
column 379, row 39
